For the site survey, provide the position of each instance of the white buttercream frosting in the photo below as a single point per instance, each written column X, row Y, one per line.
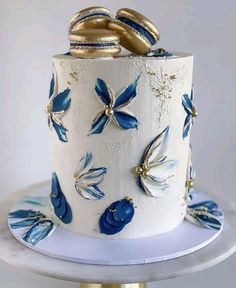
column 158, row 104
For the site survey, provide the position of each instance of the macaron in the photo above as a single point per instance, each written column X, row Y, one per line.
column 94, row 43
column 138, row 34
column 89, row 18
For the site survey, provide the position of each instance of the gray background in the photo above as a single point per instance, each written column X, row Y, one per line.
column 31, row 31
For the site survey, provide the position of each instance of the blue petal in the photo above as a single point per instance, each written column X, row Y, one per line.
column 38, row 201
column 124, row 210
column 61, row 131
column 192, row 95
column 24, row 214
column 209, row 222
column 62, row 101
column 125, row 120
column 62, row 208
column 160, row 52
column 90, row 192
column 95, row 172
column 39, row 231
column 106, row 228
column 187, row 125
column 212, row 207
column 187, row 103
column 116, row 216
column 127, row 95
column 52, row 86
column 102, row 91
column 99, row 124
column 24, row 223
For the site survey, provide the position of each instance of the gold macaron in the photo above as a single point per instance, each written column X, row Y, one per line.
column 90, row 18
column 94, row 43
column 138, row 33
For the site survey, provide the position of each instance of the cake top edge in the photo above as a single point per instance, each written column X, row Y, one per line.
column 175, row 55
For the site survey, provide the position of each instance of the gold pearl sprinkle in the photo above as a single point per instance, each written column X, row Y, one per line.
column 195, row 112
column 109, row 111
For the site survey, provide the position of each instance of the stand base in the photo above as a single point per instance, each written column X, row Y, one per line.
column 133, row 285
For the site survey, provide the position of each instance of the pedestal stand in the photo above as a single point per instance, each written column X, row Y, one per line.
column 129, row 276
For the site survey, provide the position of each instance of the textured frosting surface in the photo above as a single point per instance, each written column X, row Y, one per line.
column 158, row 104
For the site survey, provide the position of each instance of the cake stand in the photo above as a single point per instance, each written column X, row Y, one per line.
column 93, row 276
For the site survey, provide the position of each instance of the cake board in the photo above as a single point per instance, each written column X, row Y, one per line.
column 16, row 254
column 69, row 246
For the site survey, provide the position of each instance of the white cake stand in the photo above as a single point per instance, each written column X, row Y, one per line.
column 16, row 254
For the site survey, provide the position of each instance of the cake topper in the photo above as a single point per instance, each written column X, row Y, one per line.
column 89, row 33
column 95, row 17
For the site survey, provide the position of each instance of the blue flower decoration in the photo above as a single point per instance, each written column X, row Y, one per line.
column 62, row 208
column 88, row 178
column 58, row 105
column 206, row 214
column 155, row 169
column 39, row 231
column 190, row 177
column 116, row 216
column 112, row 109
column 40, row 227
column 191, row 110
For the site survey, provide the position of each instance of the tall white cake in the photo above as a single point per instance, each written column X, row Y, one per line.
column 96, row 166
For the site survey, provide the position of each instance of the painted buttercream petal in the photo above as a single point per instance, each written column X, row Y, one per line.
column 163, row 171
column 116, row 217
column 192, row 95
column 207, row 221
column 127, row 95
column 62, row 208
column 104, row 92
column 62, row 101
column 89, row 193
column 187, row 125
column 125, row 120
column 39, row 231
column 124, row 210
column 187, row 103
column 52, row 86
column 20, row 214
column 85, row 164
column 152, row 188
column 93, row 176
column 61, row 131
column 107, row 228
column 157, row 148
column 99, row 123
column 24, row 223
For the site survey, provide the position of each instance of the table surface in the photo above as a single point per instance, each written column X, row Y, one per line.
column 16, row 254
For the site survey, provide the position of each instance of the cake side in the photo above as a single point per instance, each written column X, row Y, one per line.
column 157, row 107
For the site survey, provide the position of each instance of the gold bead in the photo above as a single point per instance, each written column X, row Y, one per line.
column 139, row 170
column 109, row 111
column 189, row 184
column 195, row 112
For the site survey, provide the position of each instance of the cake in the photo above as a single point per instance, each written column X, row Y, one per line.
column 120, row 137
column 158, row 86
column 120, row 123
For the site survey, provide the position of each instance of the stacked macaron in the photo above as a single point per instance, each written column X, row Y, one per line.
column 93, row 33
